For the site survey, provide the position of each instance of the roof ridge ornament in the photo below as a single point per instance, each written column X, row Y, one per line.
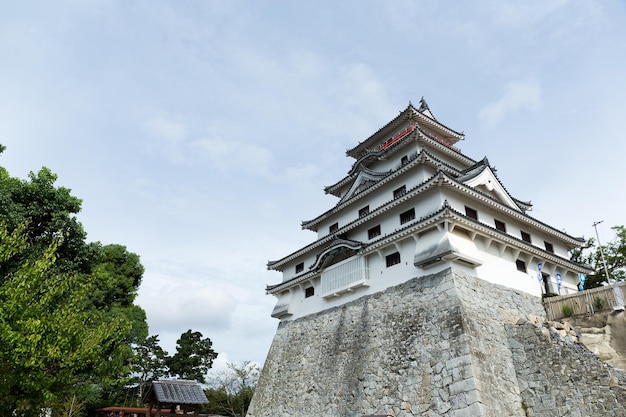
column 485, row 162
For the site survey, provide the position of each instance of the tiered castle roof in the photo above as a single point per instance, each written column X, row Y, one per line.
column 415, row 129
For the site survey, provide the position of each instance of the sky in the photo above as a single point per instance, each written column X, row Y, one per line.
column 200, row 134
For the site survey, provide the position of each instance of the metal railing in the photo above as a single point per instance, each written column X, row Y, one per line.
column 585, row 302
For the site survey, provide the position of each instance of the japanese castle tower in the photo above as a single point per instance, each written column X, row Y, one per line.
column 413, row 204
column 421, row 296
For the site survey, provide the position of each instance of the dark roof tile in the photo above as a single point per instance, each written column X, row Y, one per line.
column 177, row 391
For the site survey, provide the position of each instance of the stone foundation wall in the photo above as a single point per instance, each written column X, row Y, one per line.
column 604, row 333
column 559, row 378
column 442, row 345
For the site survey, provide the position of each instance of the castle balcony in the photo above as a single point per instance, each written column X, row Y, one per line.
column 344, row 277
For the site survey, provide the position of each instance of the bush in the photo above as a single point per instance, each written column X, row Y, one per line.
column 599, row 303
column 567, row 310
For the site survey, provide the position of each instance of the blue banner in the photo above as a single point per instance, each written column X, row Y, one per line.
column 582, row 278
column 559, row 280
column 539, row 276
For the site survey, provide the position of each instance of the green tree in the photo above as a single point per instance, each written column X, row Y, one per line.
column 231, row 390
column 614, row 255
column 49, row 212
column 149, row 364
column 193, row 358
column 104, row 281
column 49, row 339
column 119, row 275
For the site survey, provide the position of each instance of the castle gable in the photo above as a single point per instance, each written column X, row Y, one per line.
column 402, row 125
column 364, row 180
column 482, row 178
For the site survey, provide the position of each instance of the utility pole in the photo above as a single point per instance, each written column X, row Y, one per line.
column 606, row 270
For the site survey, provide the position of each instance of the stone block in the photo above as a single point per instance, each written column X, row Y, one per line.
column 458, row 361
column 472, row 410
column 372, row 354
column 472, row 396
column 462, row 387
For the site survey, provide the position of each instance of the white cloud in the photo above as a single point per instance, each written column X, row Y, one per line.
column 230, row 155
column 249, row 112
column 362, row 85
column 174, row 304
column 523, row 14
column 518, row 95
column 223, row 153
column 300, row 175
column 170, row 132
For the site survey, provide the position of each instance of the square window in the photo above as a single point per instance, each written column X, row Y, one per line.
column 393, row 259
column 364, row 211
column 521, row 265
column 404, row 160
column 309, row 292
column 526, row 237
column 501, row 226
column 333, row 227
column 407, row 216
column 373, row 232
column 471, row 213
column 549, row 247
column 300, row 267
column 399, row 192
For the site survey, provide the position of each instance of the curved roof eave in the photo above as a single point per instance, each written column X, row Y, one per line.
column 476, row 169
column 483, row 175
column 507, row 238
column 424, row 223
column 437, row 179
column 452, row 132
column 520, row 214
column 405, row 115
column 357, row 166
column 423, row 155
column 419, row 136
column 352, row 245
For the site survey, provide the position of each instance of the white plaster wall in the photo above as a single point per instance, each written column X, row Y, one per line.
column 380, row 277
column 501, row 269
column 497, row 268
column 487, row 216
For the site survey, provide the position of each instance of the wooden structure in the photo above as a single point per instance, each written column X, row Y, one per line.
column 121, row 412
column 610, row 297
column 174, row 397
